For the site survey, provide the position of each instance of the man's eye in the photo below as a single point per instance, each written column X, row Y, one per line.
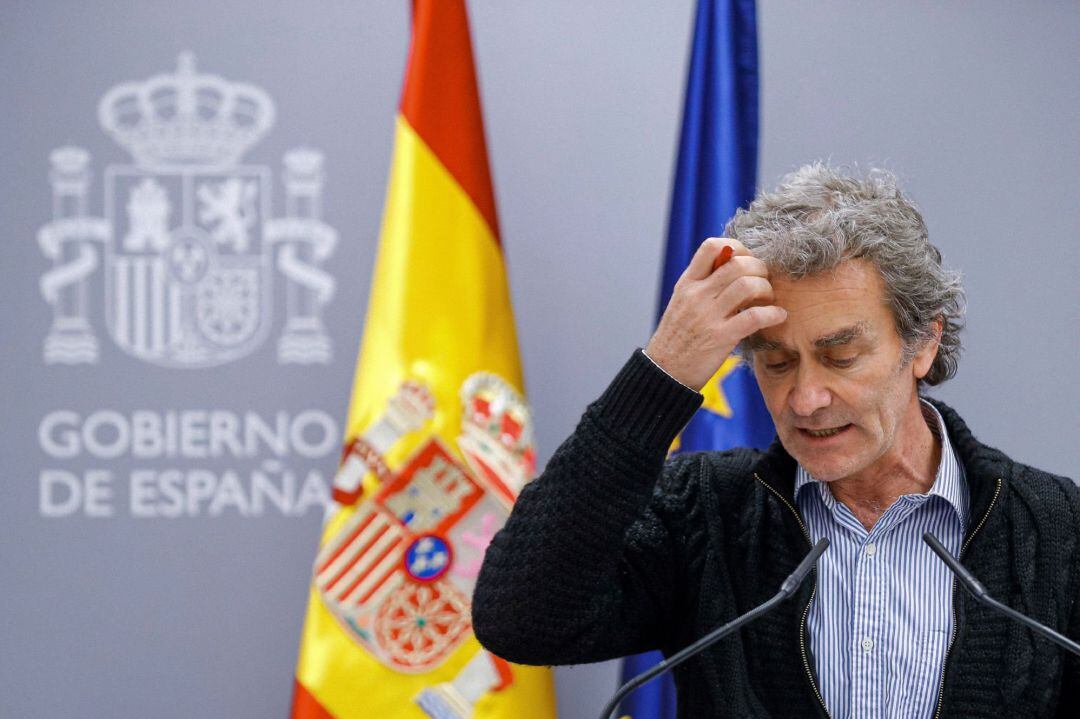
column 842, row 362
column 776, row 366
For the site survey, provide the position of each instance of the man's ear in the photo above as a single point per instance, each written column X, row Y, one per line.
column 924, row 358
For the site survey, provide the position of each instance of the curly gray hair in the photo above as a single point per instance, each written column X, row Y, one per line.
column 818, row 217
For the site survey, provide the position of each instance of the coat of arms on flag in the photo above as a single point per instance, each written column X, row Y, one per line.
column 399, row 574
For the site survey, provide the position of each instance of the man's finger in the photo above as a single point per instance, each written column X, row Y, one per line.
column 755, row 318
column 735, row 267
column 701, row 264
column 743, row 292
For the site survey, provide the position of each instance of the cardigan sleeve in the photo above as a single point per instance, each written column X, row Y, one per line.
column 588, row 565
column 1070, row 682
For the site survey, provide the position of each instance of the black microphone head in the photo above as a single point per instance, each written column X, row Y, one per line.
column 817, row 550
column 934, row 543
column 966, row 578
column 796, row 577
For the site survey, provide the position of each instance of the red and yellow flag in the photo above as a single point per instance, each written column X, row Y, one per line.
column 438, row 441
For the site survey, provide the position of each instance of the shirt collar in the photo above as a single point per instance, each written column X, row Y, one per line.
column 949, row 483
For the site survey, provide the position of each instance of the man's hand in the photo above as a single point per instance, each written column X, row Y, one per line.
column 711, row 311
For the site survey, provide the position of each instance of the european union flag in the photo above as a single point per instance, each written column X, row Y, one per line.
column 715, row 175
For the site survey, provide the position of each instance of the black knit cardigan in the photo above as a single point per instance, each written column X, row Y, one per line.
column 614, row 551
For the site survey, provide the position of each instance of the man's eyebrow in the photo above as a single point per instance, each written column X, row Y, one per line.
column 757, row 343
column 842, row 337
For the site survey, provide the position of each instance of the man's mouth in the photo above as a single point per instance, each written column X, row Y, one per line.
column 823, row 433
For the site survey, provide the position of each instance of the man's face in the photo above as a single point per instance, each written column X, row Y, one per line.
column 832, row 374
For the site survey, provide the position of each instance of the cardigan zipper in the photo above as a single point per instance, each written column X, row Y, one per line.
column 806, row 610
column 952, row 639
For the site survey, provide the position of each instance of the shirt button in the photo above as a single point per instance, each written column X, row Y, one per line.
column 871, row 548
column 867, row 644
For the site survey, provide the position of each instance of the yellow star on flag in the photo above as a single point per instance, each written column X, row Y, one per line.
column 713, row 392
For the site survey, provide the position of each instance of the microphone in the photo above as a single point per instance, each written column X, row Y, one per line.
column 787, row 589
column 979, row 592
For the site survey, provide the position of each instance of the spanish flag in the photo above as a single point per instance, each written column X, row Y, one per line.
column 438, row 440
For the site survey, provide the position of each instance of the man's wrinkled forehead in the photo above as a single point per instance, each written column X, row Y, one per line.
column 839, row 306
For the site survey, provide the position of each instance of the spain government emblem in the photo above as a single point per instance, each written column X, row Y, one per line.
column 400, row 573
column 187, row 244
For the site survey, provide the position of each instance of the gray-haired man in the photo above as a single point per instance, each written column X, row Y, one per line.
column 838, row 300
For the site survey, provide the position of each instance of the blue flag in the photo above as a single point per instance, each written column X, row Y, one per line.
column 716, row 174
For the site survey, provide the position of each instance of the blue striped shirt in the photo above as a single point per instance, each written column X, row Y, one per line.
column 881, row 618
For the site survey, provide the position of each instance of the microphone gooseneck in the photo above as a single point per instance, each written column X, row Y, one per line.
column 787, row 589
column 979, row 592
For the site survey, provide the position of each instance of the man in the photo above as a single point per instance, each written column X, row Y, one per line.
column 840, row 303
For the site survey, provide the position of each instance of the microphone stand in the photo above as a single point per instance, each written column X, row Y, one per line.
column 786, row 590
column 979, row 592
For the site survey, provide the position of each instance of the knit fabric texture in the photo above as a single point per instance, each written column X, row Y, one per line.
column 614, row 550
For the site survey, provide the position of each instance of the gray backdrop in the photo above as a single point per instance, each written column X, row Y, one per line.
column 120, row 610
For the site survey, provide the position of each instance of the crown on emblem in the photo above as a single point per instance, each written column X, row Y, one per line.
column 186, row 118
column 411, row 406
column 495, row 412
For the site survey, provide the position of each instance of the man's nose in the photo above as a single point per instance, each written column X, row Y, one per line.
column 809, row 393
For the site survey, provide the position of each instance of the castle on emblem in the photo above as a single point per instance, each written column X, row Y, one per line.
column 187, row 243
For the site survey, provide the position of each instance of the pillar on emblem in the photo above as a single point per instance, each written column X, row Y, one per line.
column 456, row 699
column 305, row 242
column 68, row 240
